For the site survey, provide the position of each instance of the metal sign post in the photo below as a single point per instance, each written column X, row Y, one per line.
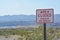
column 44, row 31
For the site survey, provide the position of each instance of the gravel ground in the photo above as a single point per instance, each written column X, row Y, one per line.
column 11, row 37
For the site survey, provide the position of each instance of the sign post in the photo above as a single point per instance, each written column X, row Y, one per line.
column 44, row 16
column 44, row 31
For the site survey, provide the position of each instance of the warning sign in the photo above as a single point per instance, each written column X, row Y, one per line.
column 45, row 15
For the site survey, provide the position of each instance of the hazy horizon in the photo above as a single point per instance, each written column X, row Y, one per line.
column 22, row 14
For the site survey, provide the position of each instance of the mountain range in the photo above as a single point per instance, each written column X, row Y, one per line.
column 15, row 20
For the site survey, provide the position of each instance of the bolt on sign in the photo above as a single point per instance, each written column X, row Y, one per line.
column 45, row 15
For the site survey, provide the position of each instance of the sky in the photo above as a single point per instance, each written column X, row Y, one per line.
column 27, row 7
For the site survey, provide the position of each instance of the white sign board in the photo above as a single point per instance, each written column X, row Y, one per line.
column 45, row 15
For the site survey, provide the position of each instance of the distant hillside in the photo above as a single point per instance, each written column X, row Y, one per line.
column 15, row 20
column 57, row 18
